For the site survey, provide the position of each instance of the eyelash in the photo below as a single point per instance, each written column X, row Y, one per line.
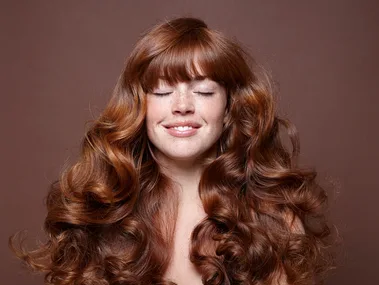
column 205, row 93
column 162, row 94
column 201, row 93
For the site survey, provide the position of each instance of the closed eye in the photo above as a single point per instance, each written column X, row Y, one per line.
column 162, row 94
column 205, row 93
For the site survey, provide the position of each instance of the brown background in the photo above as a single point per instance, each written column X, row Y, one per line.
column 60, row 60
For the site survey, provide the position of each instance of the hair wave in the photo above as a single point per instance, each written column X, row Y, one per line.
column 111, row 215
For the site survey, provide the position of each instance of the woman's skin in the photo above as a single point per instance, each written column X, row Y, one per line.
column 202, row 103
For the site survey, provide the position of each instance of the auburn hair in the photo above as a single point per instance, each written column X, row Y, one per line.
column 111, row 215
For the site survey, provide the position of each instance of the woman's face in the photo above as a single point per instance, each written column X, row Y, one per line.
column 185, row 120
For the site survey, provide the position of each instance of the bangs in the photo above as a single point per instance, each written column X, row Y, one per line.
column 191, row 58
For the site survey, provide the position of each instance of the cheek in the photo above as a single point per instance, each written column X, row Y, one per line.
column 154, row 111
column 215, row 111
column 152, row 117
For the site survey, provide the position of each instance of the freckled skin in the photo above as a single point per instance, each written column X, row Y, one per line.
column 185, row 103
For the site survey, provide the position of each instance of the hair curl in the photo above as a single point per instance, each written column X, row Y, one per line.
column 111, row 216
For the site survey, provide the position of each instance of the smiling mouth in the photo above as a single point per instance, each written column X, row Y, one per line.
column 182, row 131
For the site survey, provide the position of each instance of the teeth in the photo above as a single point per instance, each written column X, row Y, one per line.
column 184, row 128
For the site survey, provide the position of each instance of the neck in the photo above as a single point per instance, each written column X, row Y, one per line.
column 186, row 174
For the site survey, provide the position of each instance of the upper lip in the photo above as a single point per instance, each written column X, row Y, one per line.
column 182, row 124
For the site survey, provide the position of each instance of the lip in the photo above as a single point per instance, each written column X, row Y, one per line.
column 192, row 124
column 181, row 134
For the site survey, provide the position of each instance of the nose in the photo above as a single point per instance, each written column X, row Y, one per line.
column 183, row 103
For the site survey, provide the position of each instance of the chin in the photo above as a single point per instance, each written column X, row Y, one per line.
column 183, row 156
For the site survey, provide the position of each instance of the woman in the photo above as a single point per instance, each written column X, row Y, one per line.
column 184, row 178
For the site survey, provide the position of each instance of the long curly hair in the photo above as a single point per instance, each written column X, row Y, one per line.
column 111, row 215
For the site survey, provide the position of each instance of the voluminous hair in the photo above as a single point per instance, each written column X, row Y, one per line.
column 111, row 215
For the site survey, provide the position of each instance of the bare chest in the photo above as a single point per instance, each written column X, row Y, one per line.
column 181, row 270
